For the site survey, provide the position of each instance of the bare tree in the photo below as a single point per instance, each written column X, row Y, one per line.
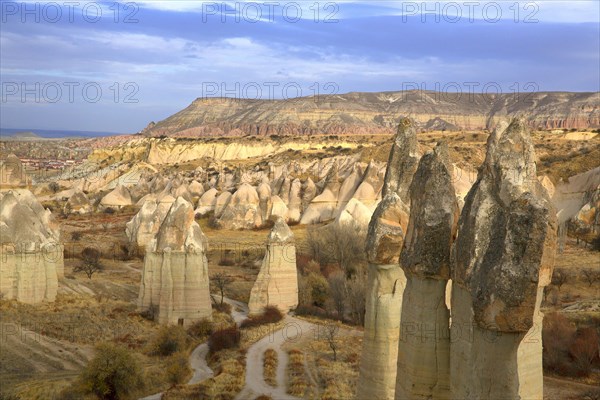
column 338, row 293
column 221, row 281
column 590, row 276
column 559, row 278
column 357, row 290
column 91, row 264
column 331, row 331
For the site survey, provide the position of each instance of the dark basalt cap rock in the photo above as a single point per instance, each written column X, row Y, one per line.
column 506, row 235
column 433, row 217
column 403, row 160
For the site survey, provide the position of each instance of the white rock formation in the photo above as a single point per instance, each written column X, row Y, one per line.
column 243, row 210
column 504, row 257
column 31, row 257
column 78, row 203
column 424, row 348
column 144, row 226
column 12, row 172
column 117, row 198
column 277, row 281
column 175, row 275
column 377, row 375
column 207, row 202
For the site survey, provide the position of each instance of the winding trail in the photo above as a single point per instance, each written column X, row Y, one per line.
column 293, row 330
column 239, row 312
column 255, row 386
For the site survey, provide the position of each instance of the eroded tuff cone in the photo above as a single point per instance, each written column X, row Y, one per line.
column 386, row 282
column 424, row 348
column 404, row 157
column 507, row 234
column 277, row 281
column 31, row 258
column 144, row 226
column 504, row 257
column 12, row 172
column 175, row 275
column 242, row 210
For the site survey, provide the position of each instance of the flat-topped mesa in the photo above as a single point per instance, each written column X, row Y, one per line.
column 175, row 275
column 277, row 282
column 31, row 257
column 504, row 256
column 424, row 349
column 386, row 280
column 403, row 158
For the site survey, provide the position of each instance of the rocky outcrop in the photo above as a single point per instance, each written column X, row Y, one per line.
column 424, row 350
column 31, row 259
column 277, row 281
column 144, row 226
column 175, row 274
column 12, row 172
column 117, row 198
column 504, row 257
column 386, row 280
column 242, row 210
column 207, row 202
column 78, row 203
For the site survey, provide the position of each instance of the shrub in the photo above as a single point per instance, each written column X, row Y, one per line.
column 113, row 373
column 224, row 339
column 150, row 313
column 168, row 340
column 584, row 350
column 178, row 368
column 557, row 335
column 319, row 289
column 109, row 210
column 307, row 309
column 76, row 236
column 270, row 315
column 200, row 329
column 224, row 308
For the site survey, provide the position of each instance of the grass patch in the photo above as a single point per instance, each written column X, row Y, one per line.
column 270, row 362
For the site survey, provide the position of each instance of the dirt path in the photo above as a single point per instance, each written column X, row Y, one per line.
column 293, row 330
column 239, row 312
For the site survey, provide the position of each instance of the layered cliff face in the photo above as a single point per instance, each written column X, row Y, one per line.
column 424, row 350
column 386, row 280
column 277, row 282
column 504, row 258
column 368, row 113
column 31, row 260
column 175, row 275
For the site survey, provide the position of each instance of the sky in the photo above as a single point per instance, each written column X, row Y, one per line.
column 116, row 66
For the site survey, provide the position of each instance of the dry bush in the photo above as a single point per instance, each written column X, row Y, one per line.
column 168, row 340
column 557, row 334
column 584, row 349
column 568, row 351
column 298, row 383
column 178, row 368
column 270, row 315
column 342, row 246
column 113, row 373
column 224, row 339
column 223, row 308
column 270, row 362
column 200, row 329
